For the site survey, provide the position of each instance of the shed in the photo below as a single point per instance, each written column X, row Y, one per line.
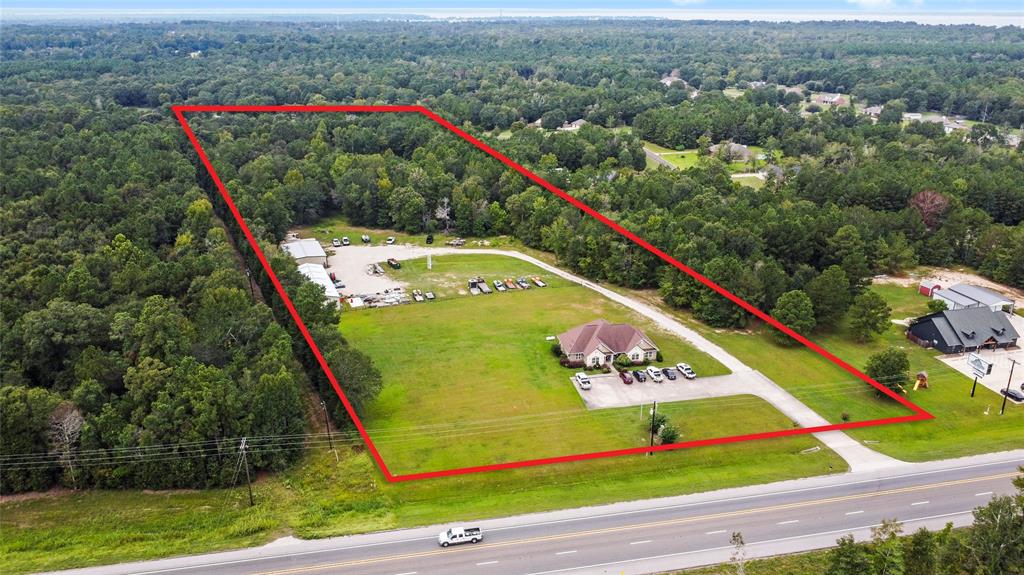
column 928, row 287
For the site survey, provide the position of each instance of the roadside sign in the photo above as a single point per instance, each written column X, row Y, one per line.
column 979, row 365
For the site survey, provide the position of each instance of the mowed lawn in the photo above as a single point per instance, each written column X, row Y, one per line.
column 322, row 496
column 960, row 426
column 472, row 380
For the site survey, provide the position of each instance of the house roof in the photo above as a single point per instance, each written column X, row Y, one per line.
column 979, row 294
column 973, row 326
column 734, row 149
column 318, row 275
column 604, row 336
column 306, row 248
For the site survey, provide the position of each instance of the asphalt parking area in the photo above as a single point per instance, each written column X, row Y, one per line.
column 608, row 391
column 996, row 381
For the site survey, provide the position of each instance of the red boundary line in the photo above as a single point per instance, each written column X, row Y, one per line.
column 179, row 112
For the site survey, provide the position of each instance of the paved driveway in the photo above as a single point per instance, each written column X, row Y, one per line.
column 611, row 392
column 349, row 259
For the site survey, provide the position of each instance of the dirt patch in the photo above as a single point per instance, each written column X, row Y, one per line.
column 948, row 277
column 17, row 497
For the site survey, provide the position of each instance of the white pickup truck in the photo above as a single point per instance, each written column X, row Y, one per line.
column 457, row 535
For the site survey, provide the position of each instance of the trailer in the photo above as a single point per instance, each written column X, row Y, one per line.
column 483, row 287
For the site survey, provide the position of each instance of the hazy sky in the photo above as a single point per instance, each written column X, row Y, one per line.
column 373, row 5
column 999, row 12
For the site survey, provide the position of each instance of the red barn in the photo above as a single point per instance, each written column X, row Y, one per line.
column 928, row 287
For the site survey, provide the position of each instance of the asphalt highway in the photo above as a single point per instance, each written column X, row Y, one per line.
column 679, row 532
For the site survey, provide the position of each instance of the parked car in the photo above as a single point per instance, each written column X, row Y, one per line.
column 1014, row 394
column 655, row 374
column 639, row 375
column 345, row 241
column 365, row 238
column 625, row 377
column 390, row 240
column 583, row 380
column 686, row 371
column 339, row 285
column 430, row 238
column 523, row 283
column 498, row 285
column 457, row 535
column 395, row 264
column 336, row 243
column 334, row 278
column 669, row 373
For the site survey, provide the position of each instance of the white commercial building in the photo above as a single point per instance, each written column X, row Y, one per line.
column 307, row 251
column 318, row 275
column 964, row 296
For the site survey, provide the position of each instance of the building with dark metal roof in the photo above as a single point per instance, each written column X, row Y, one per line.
column 964, row 330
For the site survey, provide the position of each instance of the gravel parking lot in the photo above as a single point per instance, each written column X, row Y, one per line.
column 349, row 263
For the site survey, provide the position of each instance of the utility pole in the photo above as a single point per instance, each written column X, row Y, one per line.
column 654, row 416
column 248, row 280
column 1013, row 364
column 327, row 424
column 245, row 461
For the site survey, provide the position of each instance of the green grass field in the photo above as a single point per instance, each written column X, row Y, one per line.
column 750, row 181
column 960, row 426
column 684, row 159
column 480, row 371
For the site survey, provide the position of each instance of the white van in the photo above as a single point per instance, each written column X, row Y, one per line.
column 457, row 535
column 655, row 374
column 583, row 380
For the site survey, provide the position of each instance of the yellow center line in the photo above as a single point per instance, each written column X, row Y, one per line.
column 678, row 521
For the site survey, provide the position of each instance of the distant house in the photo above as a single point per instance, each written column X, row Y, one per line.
column 599, row 343
column 318, row 275
column 928, row 287
column 195, row 54
column 306, row 251
column 912, row 116
column 757, row 84
column 572, row 126
column 1012, row 140
column 964, row 296
column 830, row 100
column 873, row 111
column 735, row 152
column 950, row 125
column 669, row 80
column 964, row 330
column 536, row 123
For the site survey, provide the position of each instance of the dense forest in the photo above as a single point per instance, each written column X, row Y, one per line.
column 130, row 328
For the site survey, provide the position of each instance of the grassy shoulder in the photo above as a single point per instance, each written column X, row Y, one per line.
column 479, row 370
column 960, row 427
column 322, row 497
